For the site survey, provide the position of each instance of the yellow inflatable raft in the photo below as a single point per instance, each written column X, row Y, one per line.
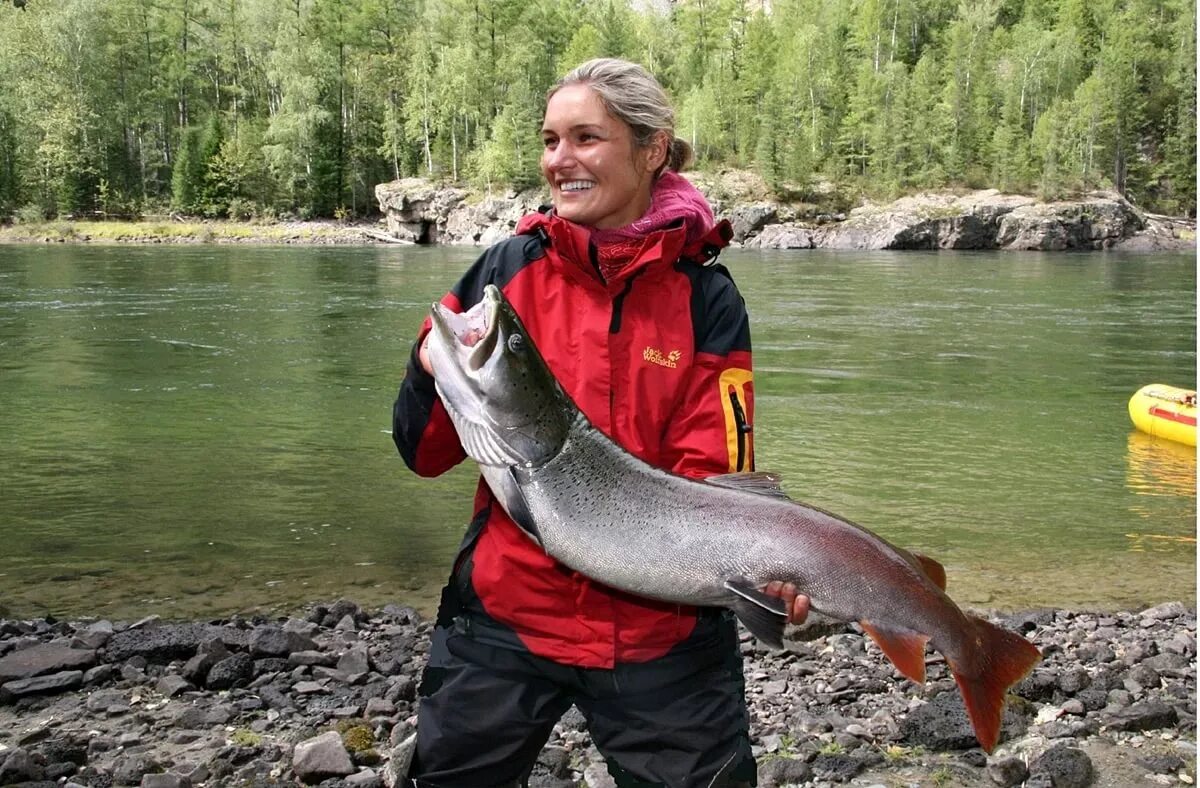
column 1165, row 411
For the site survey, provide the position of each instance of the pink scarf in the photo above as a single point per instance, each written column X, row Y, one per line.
column 673, row 198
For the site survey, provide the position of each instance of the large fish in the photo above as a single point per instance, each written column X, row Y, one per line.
column 603, row 512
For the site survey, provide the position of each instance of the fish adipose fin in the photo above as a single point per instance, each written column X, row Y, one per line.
column 995, row 660
column 765, row 616
column 906, row 649
column 758, row 482
column 933, row 570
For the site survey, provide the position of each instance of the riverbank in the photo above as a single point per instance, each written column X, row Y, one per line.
column 329, row 697
column 418, row 211
column 166, row 231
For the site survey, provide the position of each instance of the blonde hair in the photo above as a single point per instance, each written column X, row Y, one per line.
column 632, row 95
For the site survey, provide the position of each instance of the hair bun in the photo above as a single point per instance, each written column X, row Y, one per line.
column 679, row 155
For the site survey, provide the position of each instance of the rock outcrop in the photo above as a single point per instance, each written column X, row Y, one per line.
column 420, row 212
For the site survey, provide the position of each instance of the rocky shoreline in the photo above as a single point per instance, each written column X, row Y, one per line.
column 421, row 211
column 329, row 698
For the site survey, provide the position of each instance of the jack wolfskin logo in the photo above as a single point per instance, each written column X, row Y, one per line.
column 670, row 360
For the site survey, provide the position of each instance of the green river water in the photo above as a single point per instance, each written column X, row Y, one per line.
column 196, row 431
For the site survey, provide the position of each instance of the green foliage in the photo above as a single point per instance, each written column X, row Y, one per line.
column 187, row 177
column 262, row 107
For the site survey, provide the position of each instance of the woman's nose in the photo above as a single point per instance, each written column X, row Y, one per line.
column 559, row 156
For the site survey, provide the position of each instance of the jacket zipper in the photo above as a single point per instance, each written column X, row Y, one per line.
column 744, row 429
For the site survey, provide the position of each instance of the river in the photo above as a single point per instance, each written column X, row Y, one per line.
column 195, row 431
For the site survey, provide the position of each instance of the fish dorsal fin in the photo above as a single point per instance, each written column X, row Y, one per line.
column 905, row 648
column 765, row 616
column 758, row 482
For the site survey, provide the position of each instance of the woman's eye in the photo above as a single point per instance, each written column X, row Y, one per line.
column 549, row 143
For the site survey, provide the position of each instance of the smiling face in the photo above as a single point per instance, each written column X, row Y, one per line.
column 598, row 175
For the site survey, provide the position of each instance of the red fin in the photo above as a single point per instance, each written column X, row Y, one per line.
column 905, row 649
column 998, row 659
column 933, row 570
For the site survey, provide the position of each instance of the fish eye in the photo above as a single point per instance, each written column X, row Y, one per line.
column 516, row 343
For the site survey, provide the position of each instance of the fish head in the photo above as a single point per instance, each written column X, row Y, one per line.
column 505, row 403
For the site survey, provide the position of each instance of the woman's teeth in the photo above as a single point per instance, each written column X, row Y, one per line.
column 576, row 186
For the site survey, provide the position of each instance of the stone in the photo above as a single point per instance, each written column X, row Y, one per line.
column 42, row 659
column 273, row 641
column 235, row 670
column 159, row 643
column 1165, row 611
column 396, row 770
column 165, row 780
column 942, row 724
column 18, row 766
column 836, row 766
column 1065, row 766
column 40, row 685
column 365, row 778
column 320, row 758
column 172, row 685
column 774, row 772
column 1142, row 716
column 322, row 658
column 356, row 660
column 1007, row 771
column 131, row 769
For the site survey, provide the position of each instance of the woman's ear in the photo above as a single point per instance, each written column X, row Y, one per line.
column 658, row 152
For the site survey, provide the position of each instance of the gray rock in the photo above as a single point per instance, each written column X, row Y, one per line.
column 363, row 779
column 787, row 235
column 312, row 658
column 1065, row 766
column 942, row 724
column 42, row 659
column 172, row 685
column 836, row 766
column 774, row 772
column 1142, row 716
column 165, row 780
column 131, row 769
column 275, row 641
column 320, row 758
column 748, row 219
column 356, row 660
column 235, row 670
column 18, row 766
column 396, row 770
column 160, row 644
column 40, row 685
column 1007, row 771
column 1166, row 611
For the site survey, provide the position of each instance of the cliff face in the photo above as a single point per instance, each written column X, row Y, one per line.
column 419, row 211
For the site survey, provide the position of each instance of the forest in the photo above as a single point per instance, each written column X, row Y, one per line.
column 297, row 108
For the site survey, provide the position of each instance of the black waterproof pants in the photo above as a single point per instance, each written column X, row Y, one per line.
column 486, row 710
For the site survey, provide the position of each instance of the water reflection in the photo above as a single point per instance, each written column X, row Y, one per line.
column 1159, row 470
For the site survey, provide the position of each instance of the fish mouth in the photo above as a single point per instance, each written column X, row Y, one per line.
column 472, row 334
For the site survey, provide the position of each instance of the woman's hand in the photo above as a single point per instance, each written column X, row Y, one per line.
column 797, row 604
column 423, row 355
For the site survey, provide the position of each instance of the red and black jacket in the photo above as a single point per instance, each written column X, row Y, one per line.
column 658, row 357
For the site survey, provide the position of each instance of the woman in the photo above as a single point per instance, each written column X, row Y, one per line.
column 616, row 287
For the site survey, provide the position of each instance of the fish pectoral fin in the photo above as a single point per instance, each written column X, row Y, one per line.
column 905, row 648
column 516, row 505
column 757, row 482
column 765, row 616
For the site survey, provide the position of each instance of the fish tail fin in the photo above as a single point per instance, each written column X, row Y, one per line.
column 905, row 648
column 994, row 659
